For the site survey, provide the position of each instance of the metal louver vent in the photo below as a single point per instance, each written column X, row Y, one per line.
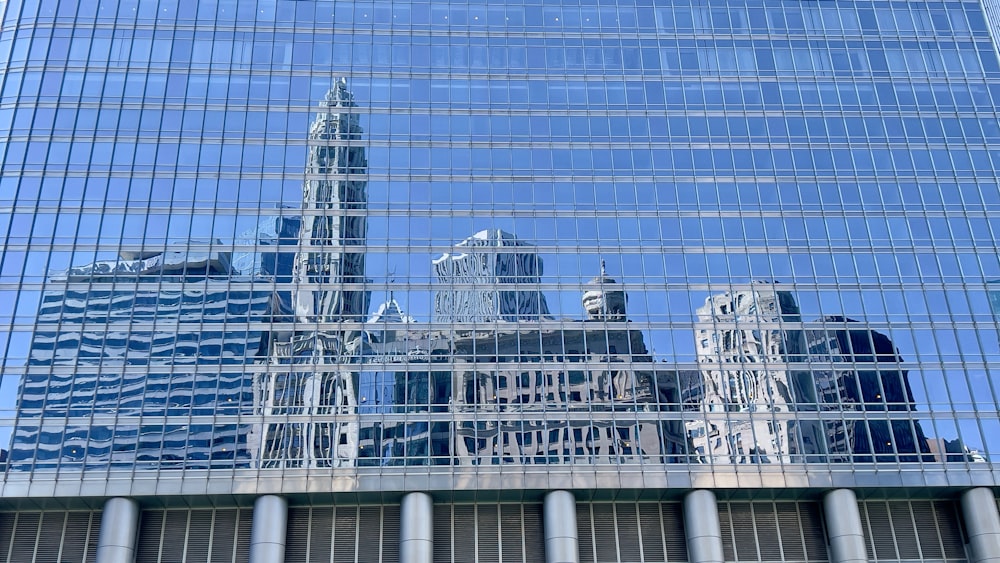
column 585, row 533
column 952, row 542
column 912, row 530
column 673, row 531
column 605, row 541
column 904, row 530
column 790, row 531
column 297, row 535
column 650, row 527
column 488, row 533
column 345, row 534
column 742, row 520
column 442, row 532
column 772, row 531
column 464, row 538
column 6, row 533
column 534, row 536
column 44, row 537
column 630, row 532
column 50, row 535
column 510, row 542
column 390, row 534
column 203, row 535
column 627, row 525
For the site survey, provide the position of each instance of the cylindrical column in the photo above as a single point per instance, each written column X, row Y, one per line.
column 267, row 536
column 843, row 527
column 979, row 510
column 416, row 529
column 559, row 523
column 701, row 527
column 119, row 530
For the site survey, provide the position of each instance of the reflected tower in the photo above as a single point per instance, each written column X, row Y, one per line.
column 485, row 280
column 870, row 381
column 746, row 341
column 328, row 279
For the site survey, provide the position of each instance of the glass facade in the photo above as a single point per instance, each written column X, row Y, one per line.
column 633, row 242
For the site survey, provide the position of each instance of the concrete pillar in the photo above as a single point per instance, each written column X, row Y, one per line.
column 701, row 527
column 559, row 523
column 416, row 529
column 267, row 536
column 979, row 510
column 119, row 531
column 843, row 527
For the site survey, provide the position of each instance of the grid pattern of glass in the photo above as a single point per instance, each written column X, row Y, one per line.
column 697, row 238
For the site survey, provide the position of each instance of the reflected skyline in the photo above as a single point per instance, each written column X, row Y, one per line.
column 588, row 387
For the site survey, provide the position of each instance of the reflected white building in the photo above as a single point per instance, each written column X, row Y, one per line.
column 329, row 278
column 489, row 278
column 747, row 342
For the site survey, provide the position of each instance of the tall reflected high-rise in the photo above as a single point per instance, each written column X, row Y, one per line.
column 750, row 350
column 328, row 290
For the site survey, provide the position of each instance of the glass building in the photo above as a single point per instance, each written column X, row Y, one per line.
column 572, row 280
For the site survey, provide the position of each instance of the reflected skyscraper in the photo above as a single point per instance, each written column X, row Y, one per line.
column 868, row 386
column 489, row 278
column 122, row 362
column 751, row 350
column 328, row 289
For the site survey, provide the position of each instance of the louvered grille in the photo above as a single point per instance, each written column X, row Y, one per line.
column 25, row 536
column 297, row 536
column 673, row 531
column 198, row 547
column 390, row 534
column 174, row 536
column 7, row 520
column 768, row 541
column 742, row 520
column 76, row 537
column 946, row 517
column 627, row 525
column 45, row 537
column 224, row 535
column 534, row 535
column 510, row 542
column 442, row 532
column 321, row 534
column 813, row 533
column 584, row 533
column 628, row 532
column 465, row 533
column 651, row 531
column 926, row 529
column 488, row 533
column 344, row 534
column 771, row 531
column 605, row 541
column 370, row 534
column 790, row 531
column 726, row 529
column 913, row 530
column 904, row 530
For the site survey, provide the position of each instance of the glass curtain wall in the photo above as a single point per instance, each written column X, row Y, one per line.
column 272, row 234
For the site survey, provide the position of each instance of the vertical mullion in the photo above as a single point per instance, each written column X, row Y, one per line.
column 187, row 535
column 211, row 535
column 663, row 530
column 638, row 524
column 62, row 538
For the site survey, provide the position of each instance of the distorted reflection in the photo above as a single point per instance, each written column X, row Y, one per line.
column 311, row 377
